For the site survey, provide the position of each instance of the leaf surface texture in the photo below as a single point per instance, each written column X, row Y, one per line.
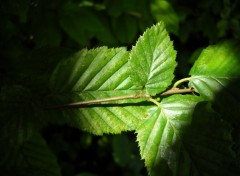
column 152, row 60
column 96, row 74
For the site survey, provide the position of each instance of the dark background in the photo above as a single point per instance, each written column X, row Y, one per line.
column 36, row 34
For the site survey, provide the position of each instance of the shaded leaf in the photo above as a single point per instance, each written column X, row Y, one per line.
column 114, row 8
column 81, row 29
column 23, row 152
column 152, row 60
column 125, row 28
column 32, row 157
column 19, row 115
column 96, row 74
column 208, row 142
column 163, row 11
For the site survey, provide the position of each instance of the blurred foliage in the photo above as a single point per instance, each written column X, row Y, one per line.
column 37, row 34
column 84, row 153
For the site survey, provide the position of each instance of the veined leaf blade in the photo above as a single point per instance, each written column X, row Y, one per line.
column 97, row 74
column 159, row 135
column 216, row 67
column 215, row 76
column 172, row 141
column 152, row 60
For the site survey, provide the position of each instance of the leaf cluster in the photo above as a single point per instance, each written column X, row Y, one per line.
column 176, row 134
column 119, row 89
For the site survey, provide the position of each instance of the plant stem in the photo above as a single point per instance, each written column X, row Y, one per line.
column 175, row 90
column 103, row 100
column 155, row 102
column 134, row 96
column 181, row 81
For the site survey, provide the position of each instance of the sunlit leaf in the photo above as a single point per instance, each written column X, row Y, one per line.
column 96, row 74
column 152, row 60
column 159, row 136
column 215, row 75
column 215, row 68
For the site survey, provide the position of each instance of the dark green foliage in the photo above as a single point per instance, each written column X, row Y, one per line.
column 35, row 35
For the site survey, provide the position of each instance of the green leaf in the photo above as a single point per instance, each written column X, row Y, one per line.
column 74, row 23
column 215, row 75
column 81, row 29
column 159, row 135
column 19, row 115
column 152, row 60
column 96, row 74
column 215, row 68
column 32, row 157
column 114, row 8
column 172, row 140
column 125, row 28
